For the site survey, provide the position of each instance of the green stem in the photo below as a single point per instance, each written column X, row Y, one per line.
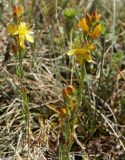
column 23, row 93
column 82, row 77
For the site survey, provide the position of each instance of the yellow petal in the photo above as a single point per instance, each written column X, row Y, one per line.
column 87, row 57
column 21, row 40
column 29, row 38
column 11, row 28
column 90, row 47
column 83, row 54
column 79, row 59
column 22, row 28
column 97, row 31
column 83, row 25
column 30, row 32
column 71, row 52
column 22, row 25
column 81, row 51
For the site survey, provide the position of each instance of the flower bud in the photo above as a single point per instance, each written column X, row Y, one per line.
column 18, row 11
column 83, row 25
column 67, row 91
column 62, row 111
column 97, row 31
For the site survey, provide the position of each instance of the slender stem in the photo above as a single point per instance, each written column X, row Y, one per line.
column 113, row 29
column 82, row 77
column 70, row 46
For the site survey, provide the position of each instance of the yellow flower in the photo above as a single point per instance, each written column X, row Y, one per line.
column 83, row 25
column 86, row 24
column 97, row 31
column 23, row 31
column 83, row 53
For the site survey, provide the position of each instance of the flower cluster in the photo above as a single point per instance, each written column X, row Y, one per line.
column 18, row 29
column 91, row 28
column 69, row 97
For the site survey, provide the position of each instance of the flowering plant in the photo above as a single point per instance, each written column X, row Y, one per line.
column 91, row 28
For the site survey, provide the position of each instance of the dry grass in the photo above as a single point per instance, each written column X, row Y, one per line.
column 99, row 132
